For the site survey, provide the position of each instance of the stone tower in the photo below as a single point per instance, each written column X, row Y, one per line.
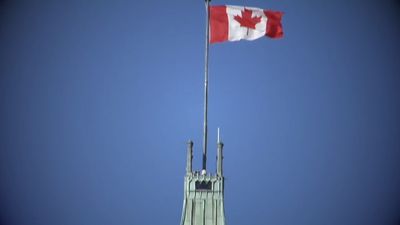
column 203, row 202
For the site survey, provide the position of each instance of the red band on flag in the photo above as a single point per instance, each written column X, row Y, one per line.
column 274, row 25
column 218, row 24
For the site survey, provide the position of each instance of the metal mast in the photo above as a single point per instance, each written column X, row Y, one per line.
column 205, row 129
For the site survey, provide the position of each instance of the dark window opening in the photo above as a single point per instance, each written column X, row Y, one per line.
column 203, row 186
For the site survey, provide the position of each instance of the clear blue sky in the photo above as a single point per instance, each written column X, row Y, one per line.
column 97, row 100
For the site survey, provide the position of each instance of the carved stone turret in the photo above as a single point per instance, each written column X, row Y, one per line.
column 220, row 157
column 189, row 157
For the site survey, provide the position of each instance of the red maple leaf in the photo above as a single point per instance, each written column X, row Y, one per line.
column 246, row 20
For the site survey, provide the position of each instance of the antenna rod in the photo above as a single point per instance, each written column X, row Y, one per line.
column 218, row 139
column 206, row 85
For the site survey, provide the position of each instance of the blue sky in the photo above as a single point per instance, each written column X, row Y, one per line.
column 97, row 100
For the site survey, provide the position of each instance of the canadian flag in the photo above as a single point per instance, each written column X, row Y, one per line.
column 233, row 23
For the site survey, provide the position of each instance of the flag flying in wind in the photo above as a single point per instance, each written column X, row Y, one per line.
column 233, row 23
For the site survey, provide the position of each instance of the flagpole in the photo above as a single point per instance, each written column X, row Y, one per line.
column 205, row 129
